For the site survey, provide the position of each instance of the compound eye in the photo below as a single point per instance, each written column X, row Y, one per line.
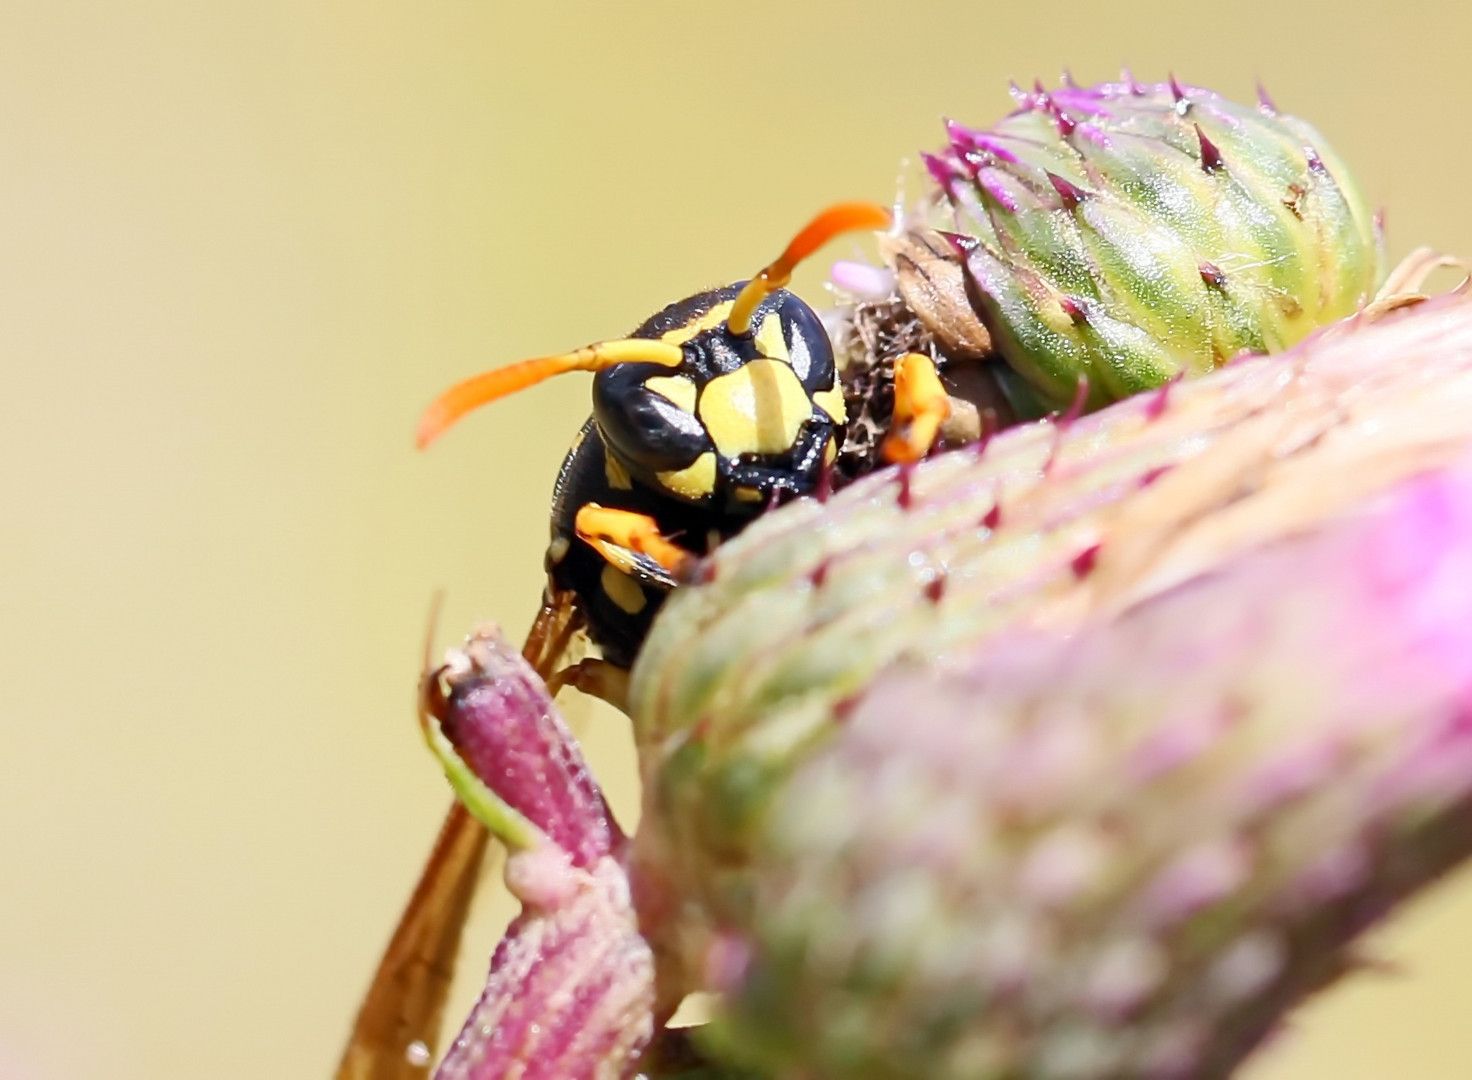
column 808, row 349
column 641, row 411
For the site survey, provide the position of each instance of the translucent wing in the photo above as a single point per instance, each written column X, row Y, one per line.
column 397, row 1028
column 642, row 568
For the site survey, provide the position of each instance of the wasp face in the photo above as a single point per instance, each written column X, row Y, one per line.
column 715, row 408
column 743, row 418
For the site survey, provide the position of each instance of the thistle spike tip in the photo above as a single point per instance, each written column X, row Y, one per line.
column 824, row 489
column 1265, row 102
column 1156, row 403
column 1073, row 308
column 1076, row 406
column 1061, row 119
column 961, row 244
column 940, row 171
column 962, row 137
column 1070, row 193
column 1211, row 157
column 935, row 587
column 1183, row 103
column 1085, row 561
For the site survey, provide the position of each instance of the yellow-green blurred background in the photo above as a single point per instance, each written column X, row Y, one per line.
column 243, row 243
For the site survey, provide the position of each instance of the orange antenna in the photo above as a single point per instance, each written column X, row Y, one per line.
column 483, row 389
column 840, row 218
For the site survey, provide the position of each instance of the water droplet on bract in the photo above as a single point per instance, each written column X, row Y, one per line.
column 417, row 1054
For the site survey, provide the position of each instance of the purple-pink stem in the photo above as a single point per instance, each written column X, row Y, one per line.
column 570, row 994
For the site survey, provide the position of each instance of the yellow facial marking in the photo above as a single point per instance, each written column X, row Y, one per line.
column 756, row 409
column 712, row 318
column 831, row 402
column 676, row 389
column 769, row 340
column 695, row 480
column 622, row 589
column 830, row 452
column 749, row 494
column 617, row 475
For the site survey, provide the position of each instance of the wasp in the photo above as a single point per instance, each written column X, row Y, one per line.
column 714, row 410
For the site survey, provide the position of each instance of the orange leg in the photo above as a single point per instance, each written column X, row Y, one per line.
column 920, row 407
column 622, row 535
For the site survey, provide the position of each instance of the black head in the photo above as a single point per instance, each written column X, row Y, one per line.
column 724, row 400
column 743, row 418
column 711, row 410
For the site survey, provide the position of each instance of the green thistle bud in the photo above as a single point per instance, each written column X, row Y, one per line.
column 1084, row 755
column 1128, row 233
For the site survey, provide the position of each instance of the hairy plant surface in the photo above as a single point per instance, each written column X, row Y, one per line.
column 1085, row 754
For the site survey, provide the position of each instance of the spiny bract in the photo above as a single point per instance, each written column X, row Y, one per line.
column 1082, row 756
column 1129, row 232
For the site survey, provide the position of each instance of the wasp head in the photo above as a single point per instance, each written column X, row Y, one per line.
column 728, row 399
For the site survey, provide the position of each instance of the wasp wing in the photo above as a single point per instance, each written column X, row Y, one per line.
column 642, row 568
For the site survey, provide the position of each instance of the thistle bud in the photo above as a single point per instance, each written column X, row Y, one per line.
column 1129, row 233
column 570, row 995
column 1086, row 754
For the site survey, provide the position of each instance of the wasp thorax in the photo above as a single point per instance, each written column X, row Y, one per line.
column 743, row 419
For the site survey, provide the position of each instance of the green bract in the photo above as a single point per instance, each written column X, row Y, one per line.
column 1065, row 757
column 1127, row 233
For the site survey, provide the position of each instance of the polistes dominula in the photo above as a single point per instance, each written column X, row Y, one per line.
column 712, row 411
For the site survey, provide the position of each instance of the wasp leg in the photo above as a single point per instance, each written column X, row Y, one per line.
column 920, row 407
column 633, row 543
column 598, row 678
column 552, row 632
